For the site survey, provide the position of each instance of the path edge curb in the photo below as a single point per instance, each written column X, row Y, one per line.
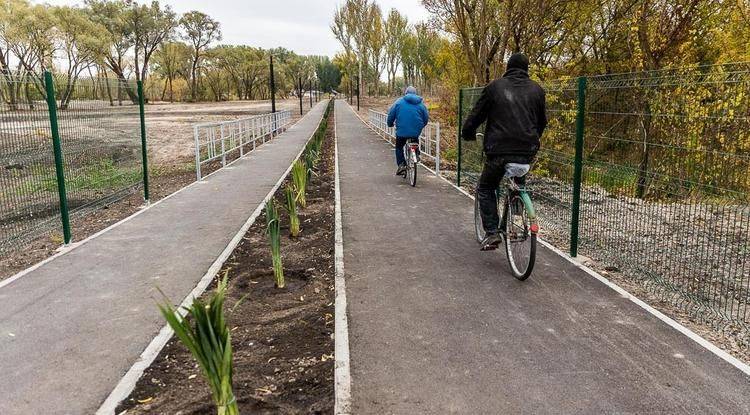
column 127, row 383
column 342, row 371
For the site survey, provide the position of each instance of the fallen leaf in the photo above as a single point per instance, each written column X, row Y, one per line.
column 147, row 400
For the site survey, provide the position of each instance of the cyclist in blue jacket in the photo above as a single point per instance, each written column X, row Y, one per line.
column 410, row 116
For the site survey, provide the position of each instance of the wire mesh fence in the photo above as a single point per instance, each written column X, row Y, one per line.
column 95, row 123
column 665, row 183
column 27, row 162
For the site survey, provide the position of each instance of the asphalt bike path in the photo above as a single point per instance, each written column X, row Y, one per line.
column 438, row 327
column 71, row 328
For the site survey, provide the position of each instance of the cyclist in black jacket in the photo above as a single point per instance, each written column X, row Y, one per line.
column 513, row 108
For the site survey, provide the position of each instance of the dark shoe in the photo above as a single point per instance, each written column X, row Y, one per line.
column 491, row 241
column 401, row 170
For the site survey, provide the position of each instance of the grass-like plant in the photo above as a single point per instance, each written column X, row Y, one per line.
column 274, row 237
column 204, row 332
column 291, row 208
column 299, row 179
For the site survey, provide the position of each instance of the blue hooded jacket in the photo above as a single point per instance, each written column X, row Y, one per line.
column 409, row 115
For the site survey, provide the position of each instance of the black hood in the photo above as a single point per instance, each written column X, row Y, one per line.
column 516, row 73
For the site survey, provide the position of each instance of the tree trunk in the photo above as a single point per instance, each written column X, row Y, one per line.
column 164, row 90
column 642, row 180
column 194, row 80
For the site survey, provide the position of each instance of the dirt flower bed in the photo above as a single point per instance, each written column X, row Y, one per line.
column 282, row 338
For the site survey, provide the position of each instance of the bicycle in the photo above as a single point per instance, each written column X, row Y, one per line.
column 518, row 223
column 411, row 155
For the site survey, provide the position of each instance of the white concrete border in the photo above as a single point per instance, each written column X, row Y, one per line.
column 342, row 372
column 67, row 248
column 743, row 367
column 131, row 377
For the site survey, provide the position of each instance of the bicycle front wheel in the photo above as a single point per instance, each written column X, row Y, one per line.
column 520, row 241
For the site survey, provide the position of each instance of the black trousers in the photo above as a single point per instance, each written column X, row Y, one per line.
column 492, row 173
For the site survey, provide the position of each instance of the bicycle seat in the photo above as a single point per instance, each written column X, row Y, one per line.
column 516, row 170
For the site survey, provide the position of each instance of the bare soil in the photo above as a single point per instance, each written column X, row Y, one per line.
column 170, row 126
column 282, row 338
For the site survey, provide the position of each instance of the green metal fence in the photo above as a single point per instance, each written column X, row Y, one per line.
column 664, row 180
column 67, row 147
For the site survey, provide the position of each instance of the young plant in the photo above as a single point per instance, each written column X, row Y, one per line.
column 291, row 207
column 274, row 237
column 299, row 179
column 204, row 332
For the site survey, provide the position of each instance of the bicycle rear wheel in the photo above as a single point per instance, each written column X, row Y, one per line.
column 411, row 165
column 520, row 241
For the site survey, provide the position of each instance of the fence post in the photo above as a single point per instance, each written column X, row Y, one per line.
column 144, row 153
column 458, row 135
column 300, row 95
column 578, row 165
column 437, row 149
column 272, row 81
column 57, row 148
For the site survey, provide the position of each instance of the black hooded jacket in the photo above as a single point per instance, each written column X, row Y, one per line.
column 514, row 109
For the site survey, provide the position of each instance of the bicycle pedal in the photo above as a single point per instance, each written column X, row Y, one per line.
column 486, row 248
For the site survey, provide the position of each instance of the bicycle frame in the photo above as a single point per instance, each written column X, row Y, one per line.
column 511, row 185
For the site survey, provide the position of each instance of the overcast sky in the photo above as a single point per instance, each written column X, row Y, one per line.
column 300, row 25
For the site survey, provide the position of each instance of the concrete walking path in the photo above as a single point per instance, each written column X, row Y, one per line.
column 71, row 328
column 437, row 327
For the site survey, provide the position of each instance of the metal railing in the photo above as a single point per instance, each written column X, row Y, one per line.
column 647, row 174
column 429, row 140
column 228, row 139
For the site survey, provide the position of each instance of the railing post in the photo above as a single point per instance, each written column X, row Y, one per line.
column 242, row 138
column 144, row 152
column 57, row 148
column 578, row 166
column 197, row 154
column 437, row 149
column 223, row 152
column 458, row 135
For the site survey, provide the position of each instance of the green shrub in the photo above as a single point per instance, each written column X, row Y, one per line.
column 274, row 238
column 291, row 208
column 204, row 332
column 299, row 179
